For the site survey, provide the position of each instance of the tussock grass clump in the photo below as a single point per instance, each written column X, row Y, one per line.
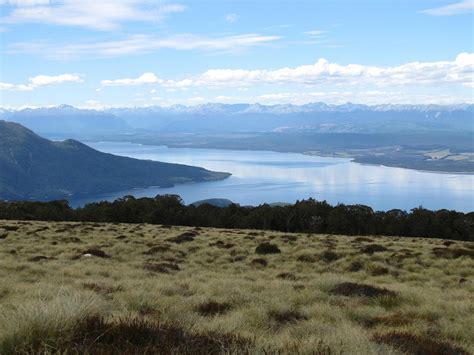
column 448, row 243
column 157, row 249
column 352, row 289
column 213, row 308
column 418, row 344
column 460, row 252
column 289, row 238
column 362, row 240
column 355, row 266
column 373, row 248
column 222, row 245
column 40, row 258
column 402, row 255
column 307, row 258
column 453, row 253
column 95, row 252
column 138, row 336
column 377, row 270
column 287, row 276
column 95, row 335
column 184, row 237
column 146, row 297
column 101, row 289
column 442, row 253
column 44, row 324
column 267, row 248
column 399, row 319
column 164, row 268
column 282, row 317
column 329, row 256
column 10, row 228
column 259, row 262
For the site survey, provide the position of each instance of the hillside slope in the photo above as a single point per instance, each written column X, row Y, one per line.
column 36, row 168
column 182, row 290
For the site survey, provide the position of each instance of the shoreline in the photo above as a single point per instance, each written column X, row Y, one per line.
column 306, row 153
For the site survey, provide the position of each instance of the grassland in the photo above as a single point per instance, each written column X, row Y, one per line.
column 125, row 288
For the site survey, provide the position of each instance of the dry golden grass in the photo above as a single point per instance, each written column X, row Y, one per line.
column 318, row 294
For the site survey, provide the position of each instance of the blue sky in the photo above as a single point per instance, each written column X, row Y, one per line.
column 92, row 53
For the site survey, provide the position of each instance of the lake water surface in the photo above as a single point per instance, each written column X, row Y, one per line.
column 261, row 176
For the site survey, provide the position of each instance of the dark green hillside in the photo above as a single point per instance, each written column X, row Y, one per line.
column 32, row 167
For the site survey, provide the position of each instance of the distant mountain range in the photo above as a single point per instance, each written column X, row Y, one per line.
column 32, row 167
column 225, row 118
column 65, row 120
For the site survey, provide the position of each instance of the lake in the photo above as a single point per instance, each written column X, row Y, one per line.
column 262, row 176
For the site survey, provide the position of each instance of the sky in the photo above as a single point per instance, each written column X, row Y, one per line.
column 126, row 53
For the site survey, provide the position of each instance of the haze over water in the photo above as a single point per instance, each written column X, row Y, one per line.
column 266, row 177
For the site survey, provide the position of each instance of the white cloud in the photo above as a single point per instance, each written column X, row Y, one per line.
column 459, row 71
column 24, row 2
column 98, row 15
column 92, row 105
column 143, row 44
column 15, row 87
column 42, row 80
column 146, row 78
column 231, row 18
column 457, row 8
column 315, row 33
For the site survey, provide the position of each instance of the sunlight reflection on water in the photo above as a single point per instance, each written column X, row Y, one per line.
column 261, row 176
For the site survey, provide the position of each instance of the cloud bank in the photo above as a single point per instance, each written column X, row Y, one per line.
column 140, row 44
column 42, row 80
column 459, row 71
column 103, row 15
column 458, row 8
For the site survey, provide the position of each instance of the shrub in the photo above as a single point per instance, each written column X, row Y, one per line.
column 267, row 248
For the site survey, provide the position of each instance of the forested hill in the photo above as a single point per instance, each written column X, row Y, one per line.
column 32, row 167
column 307, row 216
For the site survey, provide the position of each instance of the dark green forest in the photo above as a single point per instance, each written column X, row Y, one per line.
column 307, row 216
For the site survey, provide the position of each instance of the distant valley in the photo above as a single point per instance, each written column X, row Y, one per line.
column 422, row 137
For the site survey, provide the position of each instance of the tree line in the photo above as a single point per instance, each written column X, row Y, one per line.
column 306, row 216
